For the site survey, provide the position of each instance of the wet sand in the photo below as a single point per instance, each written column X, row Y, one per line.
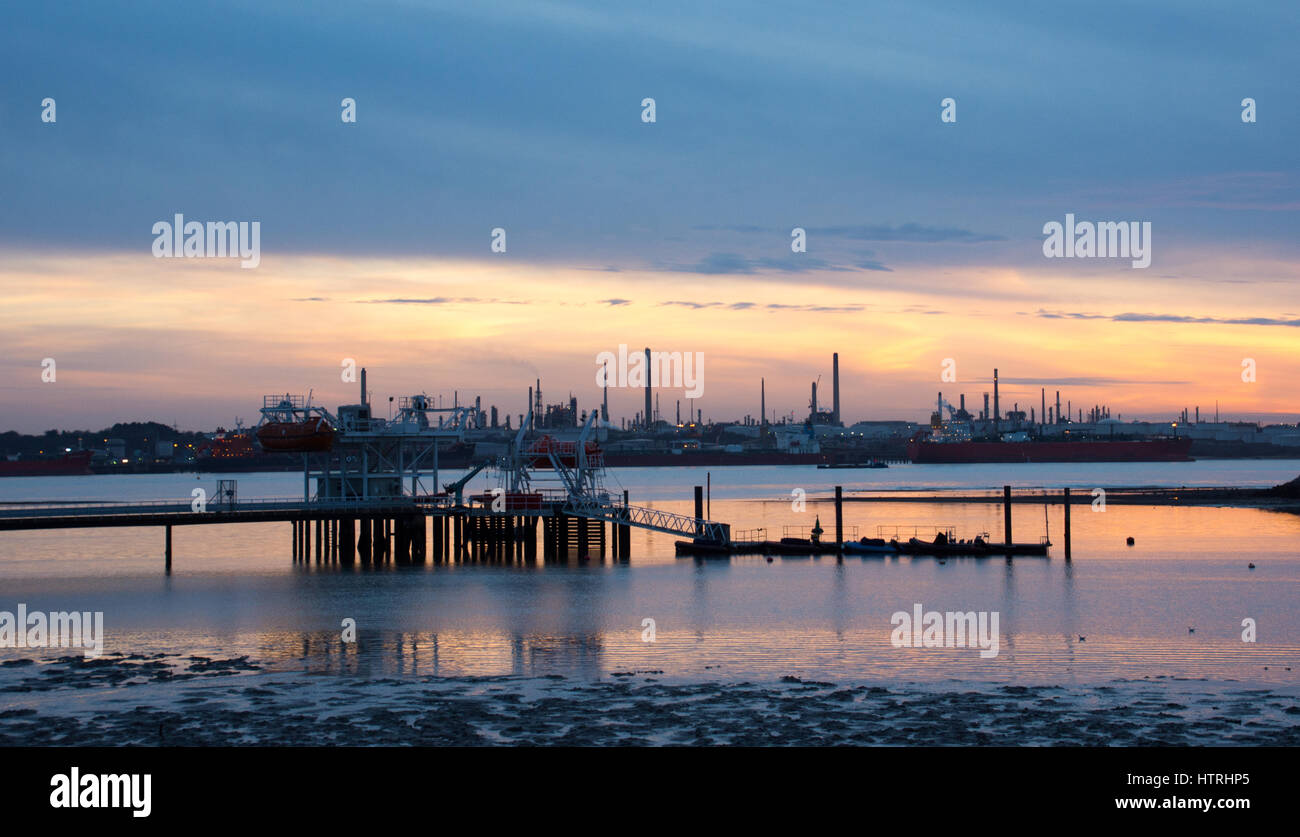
column 196, row 701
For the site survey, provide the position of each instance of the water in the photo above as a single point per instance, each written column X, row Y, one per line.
column 234, row 591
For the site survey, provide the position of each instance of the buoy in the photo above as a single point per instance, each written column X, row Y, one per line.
column 1250, row 566
column 769, row 559
column 1082, row 638
column 1191, row 630
column 1130, row 541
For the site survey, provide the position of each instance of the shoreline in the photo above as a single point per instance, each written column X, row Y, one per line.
column 145, row 700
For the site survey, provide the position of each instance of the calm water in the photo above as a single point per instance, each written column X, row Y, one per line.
column 234, row 590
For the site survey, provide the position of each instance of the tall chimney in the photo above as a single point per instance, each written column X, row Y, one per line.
column 1042, row 413
column 1057, row 414
column 997, row 415
column 363, row 387
column 762, row 403
column 835, row 388
column 813, row 405
column 648, row 378
column 985, row 417
column 604, row 407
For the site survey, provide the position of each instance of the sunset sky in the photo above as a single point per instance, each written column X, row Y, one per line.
column 924, row 238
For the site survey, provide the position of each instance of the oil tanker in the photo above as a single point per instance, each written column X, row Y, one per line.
column 76, row 463
column 923, row 450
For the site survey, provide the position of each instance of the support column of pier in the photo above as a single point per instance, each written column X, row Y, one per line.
column 365, row 541
column 320, row 539
column 167, row 551
column 401, row 542
column 421, row 539
column 1067, row 523
column 347, row 541
column 379, row 540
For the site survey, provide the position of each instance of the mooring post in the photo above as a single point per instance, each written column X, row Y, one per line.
column 625, row 546
column 168, row 551
column 1067, row 523
column 839, row 520
column 1006, row 513
column 699, row 508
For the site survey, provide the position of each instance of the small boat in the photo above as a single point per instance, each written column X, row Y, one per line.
column 704, row 549
column 874, row 463
column 871, row 546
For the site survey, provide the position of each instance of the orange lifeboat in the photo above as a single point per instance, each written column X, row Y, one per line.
column 307, row 436
column 566, row 452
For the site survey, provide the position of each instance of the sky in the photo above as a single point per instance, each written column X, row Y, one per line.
column 924, row 237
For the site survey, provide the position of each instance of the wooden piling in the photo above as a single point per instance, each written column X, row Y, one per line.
column 1067, row 523
column 839, row 520
column 347, row 541
column 167, row 552
column 1006, row 514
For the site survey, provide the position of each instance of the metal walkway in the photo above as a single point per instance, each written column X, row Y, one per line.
column 660, row 521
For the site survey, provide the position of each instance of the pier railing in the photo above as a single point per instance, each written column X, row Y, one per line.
column 55, row 508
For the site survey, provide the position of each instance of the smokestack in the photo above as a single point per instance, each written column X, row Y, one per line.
column 996, row 413
column 647, row 388
column 963, row 402
column 604, row 406
column 1057, row 414
column 679, row 411
column 1042, row 414
column 835, row 388
column 762, row 402
column 985, row 417
column 363, row 387
column 813, row 406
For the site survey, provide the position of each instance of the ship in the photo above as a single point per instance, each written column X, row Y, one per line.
column 76, row 463
column 926, row 450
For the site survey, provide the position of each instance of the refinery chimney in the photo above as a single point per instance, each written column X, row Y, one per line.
column 762, row 404
column 835, row 389
column 997, row 415
column 648, row 378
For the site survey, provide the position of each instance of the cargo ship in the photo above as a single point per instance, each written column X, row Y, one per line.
column 925, row 450
column 72, row 464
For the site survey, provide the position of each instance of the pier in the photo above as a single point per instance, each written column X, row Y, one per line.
column 371, row 495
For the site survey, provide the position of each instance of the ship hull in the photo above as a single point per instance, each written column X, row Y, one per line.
column 1143, row 450
column 72, row 465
